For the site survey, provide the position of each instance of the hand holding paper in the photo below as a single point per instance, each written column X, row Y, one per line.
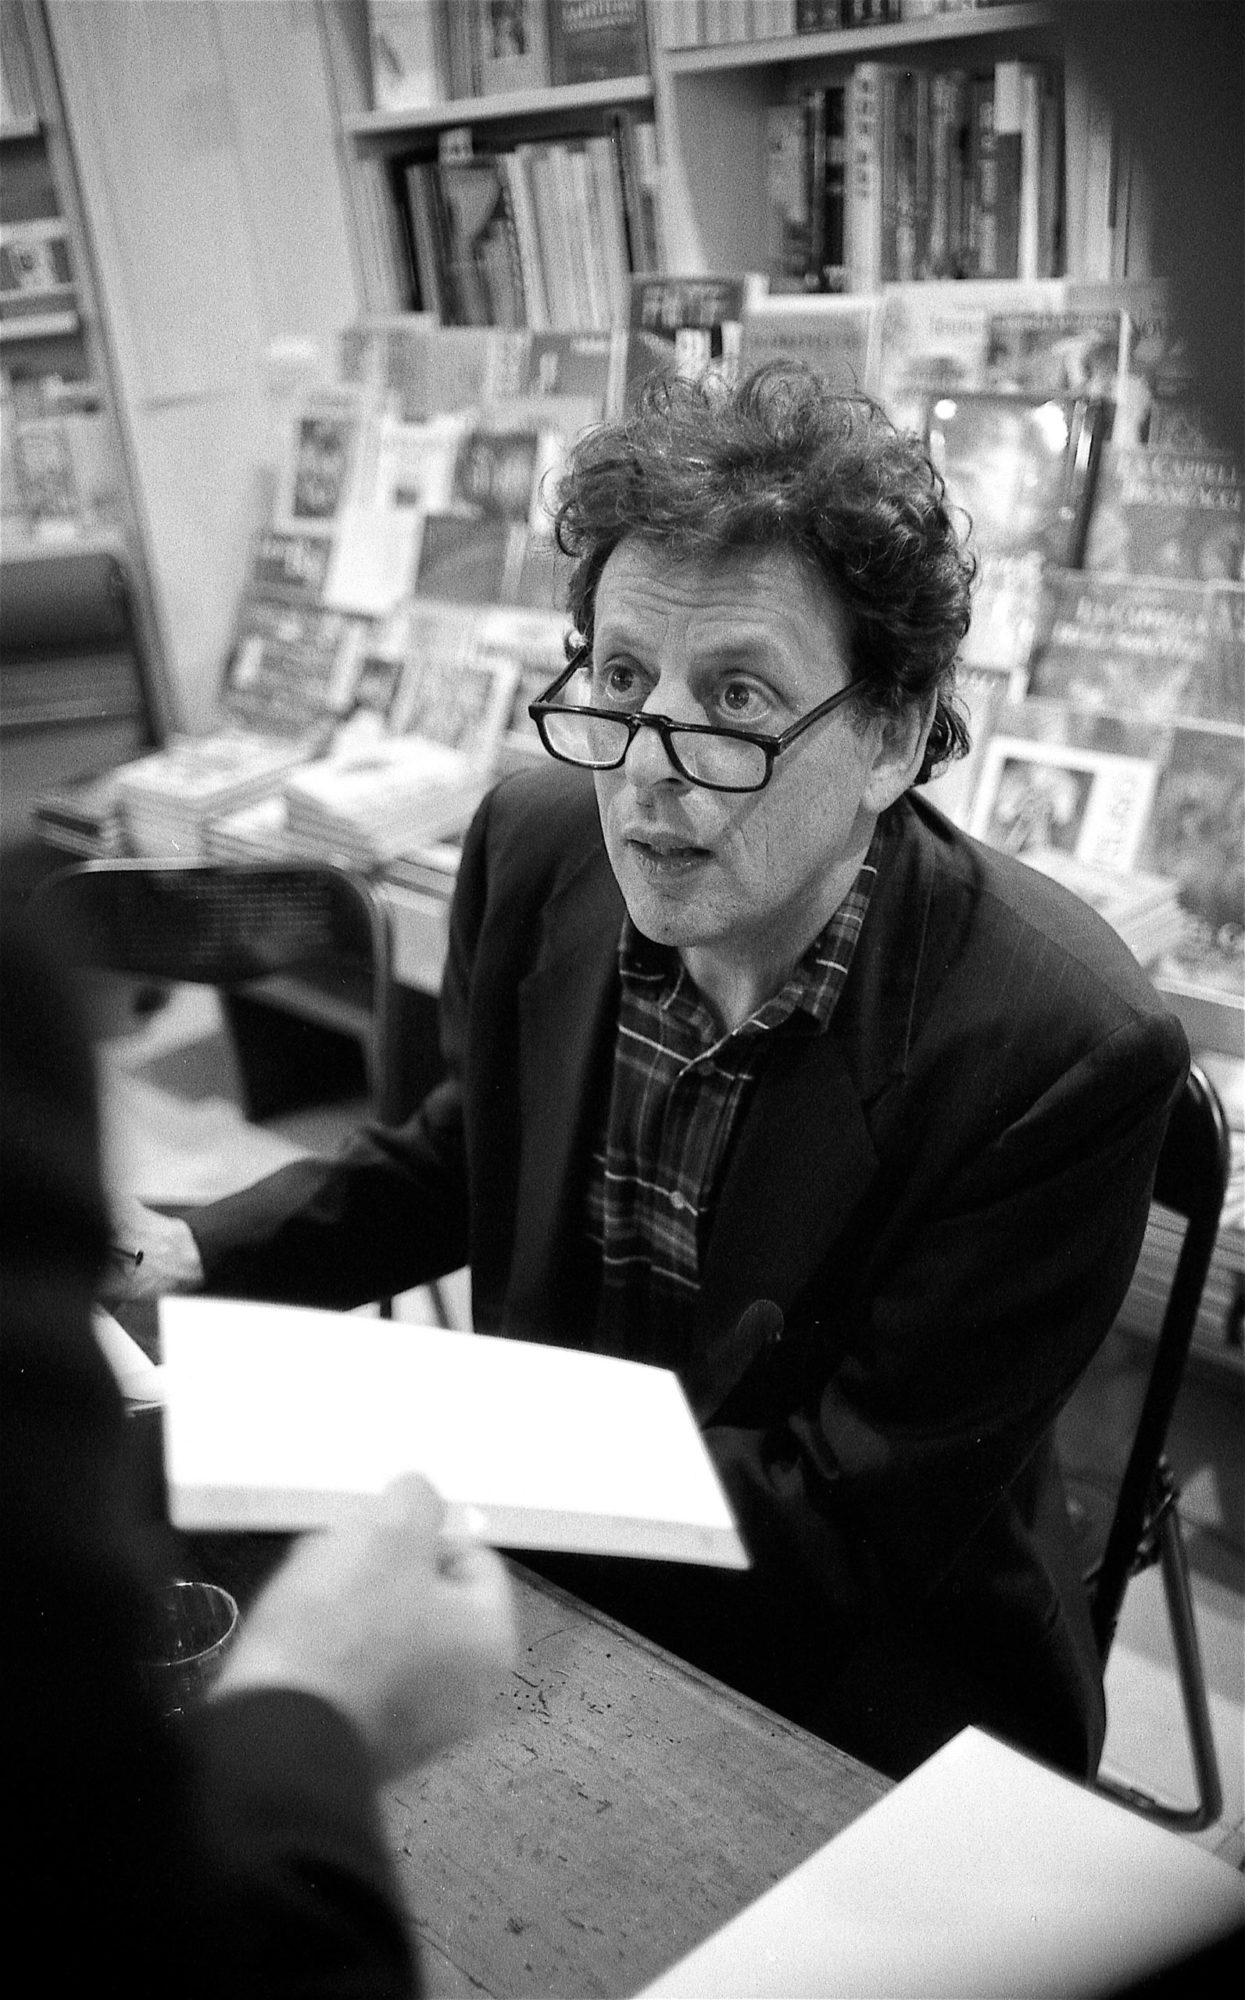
column 282, row 1417
column 404, row 1625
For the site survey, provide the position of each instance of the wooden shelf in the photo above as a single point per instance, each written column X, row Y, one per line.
column 51, row 548
column 988, row 23
column 40, row 326
column 557, row 107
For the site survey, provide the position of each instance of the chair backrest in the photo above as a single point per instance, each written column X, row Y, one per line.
column 227, row 925
column 1191, row 1180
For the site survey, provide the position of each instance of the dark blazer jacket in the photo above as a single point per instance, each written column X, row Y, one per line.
column 240, row 1855
column 944, row 1195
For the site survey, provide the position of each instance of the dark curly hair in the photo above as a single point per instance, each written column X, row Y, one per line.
column 783, row 461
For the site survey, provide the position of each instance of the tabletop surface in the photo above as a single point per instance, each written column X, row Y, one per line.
column 621, row 1806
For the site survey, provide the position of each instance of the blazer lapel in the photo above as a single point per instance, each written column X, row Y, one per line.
column 567, row 1011
column 800, row 1162
column 805, row 1154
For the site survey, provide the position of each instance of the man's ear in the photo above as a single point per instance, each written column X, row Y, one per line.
column 899, row 747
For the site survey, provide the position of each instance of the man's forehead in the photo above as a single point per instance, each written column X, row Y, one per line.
column 756, row 597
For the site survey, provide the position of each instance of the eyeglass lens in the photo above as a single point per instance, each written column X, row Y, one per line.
column 601, row 741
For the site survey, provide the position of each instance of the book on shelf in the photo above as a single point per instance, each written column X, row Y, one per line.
column 62, row 476
column 1000, row 334
column 687, row 326
column 36, row 266
column 362, row 805
column 429, row 867
column 1165, row 513
column 407, row 45
column 1158, row 650
column 1021, row 466
column 423, row 370
column 1143, row 909
column 327, row 437
column 590, row 40
column 537, row 1442
column 1156, row 399
column 461, row 704
column 1034, row 795
column 513, row 40
column 169, row 799
column 19, row 102
column 83, row 814
column 831, row 335
column 540, row 236
column 1196, row 834
column 466, row 246
column 583, row 368
column 533, row 640
column 806, row 190
column 467, row 556
column 789, row 258
column 291, row 567
column 291, row 677
column 413, row 468
column 291, row 667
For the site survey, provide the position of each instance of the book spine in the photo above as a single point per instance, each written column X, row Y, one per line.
column 834, row 228
column 603, row 161
column 1009, row 148
column 587, row 226
column 888, row 154
column 864, row 184
column 787, row 197
column 593, row 39
column 983, row 222
column 425, row 238
column 527, row 241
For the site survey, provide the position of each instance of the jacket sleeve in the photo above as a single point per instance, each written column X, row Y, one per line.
column 390, row 1211
column 885, row 1436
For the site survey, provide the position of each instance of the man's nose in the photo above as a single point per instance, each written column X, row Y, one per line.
column 648, row 762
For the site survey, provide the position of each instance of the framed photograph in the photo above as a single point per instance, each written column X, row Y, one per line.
column 1088, row 803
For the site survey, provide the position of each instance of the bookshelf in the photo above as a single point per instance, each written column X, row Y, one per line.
column 712, row 101
column 73, row 699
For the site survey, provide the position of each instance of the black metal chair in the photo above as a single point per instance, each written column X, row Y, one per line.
column 1128, row 1528
column 302, row 941
column 309, row 938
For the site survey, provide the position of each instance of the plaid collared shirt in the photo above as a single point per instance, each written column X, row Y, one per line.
column 678, row 1095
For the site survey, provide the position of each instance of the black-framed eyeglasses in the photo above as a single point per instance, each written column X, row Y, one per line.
column 722, row 760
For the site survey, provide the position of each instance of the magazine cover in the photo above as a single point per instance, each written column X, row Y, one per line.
column 1140, row 647
column 462, row 704
column 470, row 557
column 831, row 333
column 322, row 461
column 686, row 325
column 1196, row 835
column 1090, row 804
column 1168, row 513
column 1022, row 468
column 291, row 667
column 289, row 566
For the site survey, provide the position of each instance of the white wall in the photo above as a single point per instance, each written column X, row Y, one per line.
column 207, row 153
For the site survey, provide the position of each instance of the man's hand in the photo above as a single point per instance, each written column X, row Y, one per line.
column 170, row 1256
column 406, row 1628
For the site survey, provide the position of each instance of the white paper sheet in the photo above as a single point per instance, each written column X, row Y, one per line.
column 280, row 1417
column 984, row 1874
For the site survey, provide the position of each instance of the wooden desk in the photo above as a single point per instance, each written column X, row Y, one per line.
column 622, row 1807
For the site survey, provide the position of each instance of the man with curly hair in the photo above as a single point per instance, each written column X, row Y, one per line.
column 758, row 1068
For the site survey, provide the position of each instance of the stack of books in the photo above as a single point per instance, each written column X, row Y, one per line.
column 1144, row 909
column 363, row 808
column 170, row 799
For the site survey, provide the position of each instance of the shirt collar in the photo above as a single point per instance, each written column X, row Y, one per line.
column 811, row 990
